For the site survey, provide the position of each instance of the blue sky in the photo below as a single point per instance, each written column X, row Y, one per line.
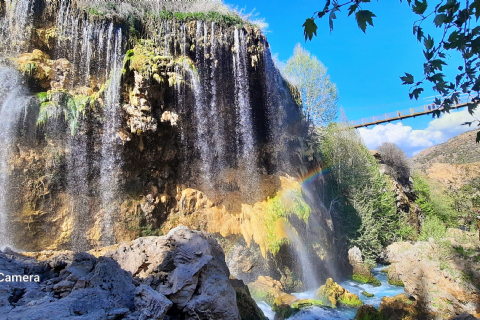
column 365, row 67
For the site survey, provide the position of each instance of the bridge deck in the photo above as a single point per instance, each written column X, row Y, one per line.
column 399, row 115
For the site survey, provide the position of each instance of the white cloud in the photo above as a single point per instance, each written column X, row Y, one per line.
column 413, row 141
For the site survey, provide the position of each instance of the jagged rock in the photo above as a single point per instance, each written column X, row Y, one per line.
column 150, row 303
column 247, row 263
column 51, row 74
column 361, row 271
column 247, row 307
column 271, row 291
column 368, row 312
column 186, row 266
column 430, row 283
column 183, row 273
column 401, row 307
column 333, row 294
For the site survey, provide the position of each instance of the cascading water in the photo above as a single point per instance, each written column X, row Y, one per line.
column 14, row 26
column 202, row 112
column 78, row 188
column 111, row 163
column 246, row 147
column 309, row 277
column 275, row 109
column 14, row 100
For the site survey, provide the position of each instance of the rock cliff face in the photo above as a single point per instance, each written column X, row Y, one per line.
column 130, row 124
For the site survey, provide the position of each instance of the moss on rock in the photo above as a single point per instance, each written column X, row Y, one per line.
column 366, row 279
column 337, row 295
column 368, row 312
column 396, row 282
column 367, row 294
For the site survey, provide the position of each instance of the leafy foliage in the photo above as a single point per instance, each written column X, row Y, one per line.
column 318, row 94
column 432, row 227
column 71, row 107
column 460, row 34
column 395, row 160
column 361, row 201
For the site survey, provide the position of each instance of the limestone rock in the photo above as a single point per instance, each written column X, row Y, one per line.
column 150, row 303
column 368, row 312
column 247, row 307
column 400, row 307
column 183, row 273
column 429, row 282
column 271, row 291
column 51, row 74
column 186, row 266
column 333, row 294
column 361, row 271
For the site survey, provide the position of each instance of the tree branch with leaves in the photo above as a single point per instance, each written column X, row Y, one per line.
column 461, row 33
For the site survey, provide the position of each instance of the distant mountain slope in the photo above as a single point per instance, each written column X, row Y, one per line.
column 461, row 149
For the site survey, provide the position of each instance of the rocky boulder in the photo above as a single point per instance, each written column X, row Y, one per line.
column 186, row 266
column 76, row 285
column 333, row 294
column 271, row 291
column 181, row 275
column 441, row 282
column 361, row 270
column 401, row 307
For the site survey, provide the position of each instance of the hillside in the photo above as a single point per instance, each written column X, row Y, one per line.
column 461, row 149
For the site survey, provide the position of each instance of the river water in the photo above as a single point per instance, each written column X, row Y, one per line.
column 316, row 313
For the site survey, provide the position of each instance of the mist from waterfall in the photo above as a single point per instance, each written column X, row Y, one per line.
column 14, row 99
column 111, row 161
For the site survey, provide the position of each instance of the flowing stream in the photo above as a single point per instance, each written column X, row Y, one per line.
column 316, row 313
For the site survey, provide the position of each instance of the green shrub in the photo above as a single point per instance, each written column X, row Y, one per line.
column 432, row 227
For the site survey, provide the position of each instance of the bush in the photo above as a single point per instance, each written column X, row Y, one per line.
column 434, row 228
column 395, row 160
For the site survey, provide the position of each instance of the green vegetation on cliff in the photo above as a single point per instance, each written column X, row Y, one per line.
column 360, row 198
column 278, row 209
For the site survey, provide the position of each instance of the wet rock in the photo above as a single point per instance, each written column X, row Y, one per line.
column 368, row 312
column 271, row 291
column 333, row 294
column 361, row 271
column 247, row 307
column 401, row 307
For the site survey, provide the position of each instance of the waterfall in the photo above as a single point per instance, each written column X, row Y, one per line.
column 111, row 162
column 14, row 26
column 201, row 112
column 309, row 276
column 246, row 148
column 275, row 111
column 14, row 100
column 77, row 188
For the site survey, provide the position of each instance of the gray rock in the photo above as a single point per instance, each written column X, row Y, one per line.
column 183, row 274
column 151, row 304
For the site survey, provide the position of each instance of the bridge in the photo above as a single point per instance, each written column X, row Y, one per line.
column 404, row 114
